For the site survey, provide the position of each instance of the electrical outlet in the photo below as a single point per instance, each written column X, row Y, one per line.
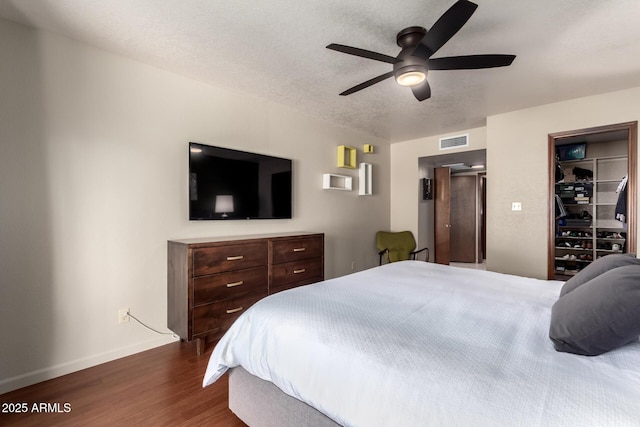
column 516, row 206
column 123, row 315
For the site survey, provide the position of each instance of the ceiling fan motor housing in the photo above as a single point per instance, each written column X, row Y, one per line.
column 408, row 39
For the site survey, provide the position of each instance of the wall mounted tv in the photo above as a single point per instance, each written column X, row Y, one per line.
column 571, row 152
column 227, row 184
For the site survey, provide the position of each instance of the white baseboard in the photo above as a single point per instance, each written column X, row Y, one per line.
column 34, row 377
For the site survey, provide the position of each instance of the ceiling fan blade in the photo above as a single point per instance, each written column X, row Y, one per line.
column 422, row 91
column 470, row 62
column 363, row 53
column 367, row 83
column 445, row 28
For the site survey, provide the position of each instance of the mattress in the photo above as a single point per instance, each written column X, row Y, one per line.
column 414, row 343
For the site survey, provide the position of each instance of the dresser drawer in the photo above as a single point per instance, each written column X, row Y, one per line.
column 296, row 273
column 224, row 286
column 296, row 249
column 221, row 314
column 230, row 257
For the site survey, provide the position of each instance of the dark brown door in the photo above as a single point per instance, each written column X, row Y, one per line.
column 442, row 215
column 483, row 217
column 463, row 218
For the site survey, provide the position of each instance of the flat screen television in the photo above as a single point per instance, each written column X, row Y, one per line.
column 226, row 184
column 571, row 152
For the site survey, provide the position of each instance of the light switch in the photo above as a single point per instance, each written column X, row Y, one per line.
column 516, row 206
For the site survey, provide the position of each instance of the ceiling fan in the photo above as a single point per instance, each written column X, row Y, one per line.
column 411, row 66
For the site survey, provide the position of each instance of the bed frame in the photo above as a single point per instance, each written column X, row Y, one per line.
column 259, row 403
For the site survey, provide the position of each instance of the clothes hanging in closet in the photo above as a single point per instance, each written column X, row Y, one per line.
column 621, row 206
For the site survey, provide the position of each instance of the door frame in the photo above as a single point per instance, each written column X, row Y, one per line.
column 463, row 230
column 632, row 168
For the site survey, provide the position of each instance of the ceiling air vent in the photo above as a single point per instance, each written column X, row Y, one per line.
column 454, row 142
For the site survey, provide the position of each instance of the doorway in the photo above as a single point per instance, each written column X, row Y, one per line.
column 587, row 170
column 453, row 222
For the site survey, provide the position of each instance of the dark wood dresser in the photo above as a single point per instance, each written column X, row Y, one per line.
column 212, row 281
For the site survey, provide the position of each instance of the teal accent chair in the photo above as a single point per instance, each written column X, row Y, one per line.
column 398, row 246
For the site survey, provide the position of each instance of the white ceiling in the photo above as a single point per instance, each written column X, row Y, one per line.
column 275, row 49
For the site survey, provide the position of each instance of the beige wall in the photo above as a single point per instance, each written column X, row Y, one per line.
column 517, row 161
column 94, row 180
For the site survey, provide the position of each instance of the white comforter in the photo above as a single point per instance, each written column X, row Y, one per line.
column 420, row 344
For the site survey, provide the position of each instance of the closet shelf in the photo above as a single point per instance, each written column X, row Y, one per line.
column 597, row 199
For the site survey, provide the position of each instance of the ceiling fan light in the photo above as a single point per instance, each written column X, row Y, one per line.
column 411, row 78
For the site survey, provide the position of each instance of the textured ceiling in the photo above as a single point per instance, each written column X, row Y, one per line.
column 275, row 49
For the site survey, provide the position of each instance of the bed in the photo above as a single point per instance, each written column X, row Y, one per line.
column 419, row 344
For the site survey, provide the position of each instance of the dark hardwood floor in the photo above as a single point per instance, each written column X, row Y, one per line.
column 158, row 387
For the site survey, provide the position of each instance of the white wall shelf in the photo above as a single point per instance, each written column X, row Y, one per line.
column 332, row 181
column 365, row 179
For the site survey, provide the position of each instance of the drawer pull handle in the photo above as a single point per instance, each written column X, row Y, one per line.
column 301, row 270
column 235, row 258
column 234, row 310
column 299, row 249
column 231, row 285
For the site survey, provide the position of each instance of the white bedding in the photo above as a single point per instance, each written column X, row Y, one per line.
column 421, row 344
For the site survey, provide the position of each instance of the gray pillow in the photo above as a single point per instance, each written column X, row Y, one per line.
column 596, row 268
column 600, row 315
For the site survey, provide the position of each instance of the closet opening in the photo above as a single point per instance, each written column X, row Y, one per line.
column 592, row 196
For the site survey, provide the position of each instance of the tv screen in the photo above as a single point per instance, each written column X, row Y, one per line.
column 571, row 152
column 229, row 184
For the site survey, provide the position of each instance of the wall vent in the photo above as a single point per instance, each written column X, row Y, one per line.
column 454, row 142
